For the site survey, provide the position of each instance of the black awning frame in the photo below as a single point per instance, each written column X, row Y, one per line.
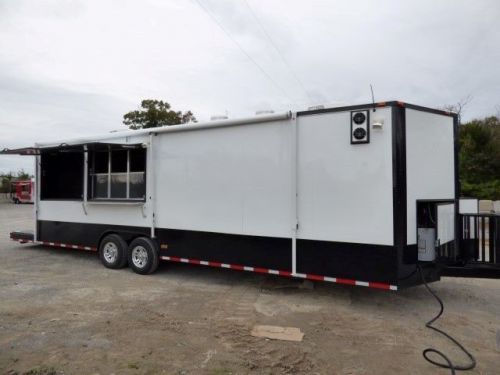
column 64, row 147
column 21, row 151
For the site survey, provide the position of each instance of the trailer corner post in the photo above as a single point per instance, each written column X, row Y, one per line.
column 85, row 177
column 294, row 193
column 36, row 193
column 151, row 179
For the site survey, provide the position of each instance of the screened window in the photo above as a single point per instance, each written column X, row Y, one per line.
column 118, row 174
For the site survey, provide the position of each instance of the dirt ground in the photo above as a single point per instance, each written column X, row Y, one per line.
column 61, row 311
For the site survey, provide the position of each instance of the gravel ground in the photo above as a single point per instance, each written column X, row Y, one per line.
column 62, row 312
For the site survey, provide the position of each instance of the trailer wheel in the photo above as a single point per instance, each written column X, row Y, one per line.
column 113, row 251
column 143, row 255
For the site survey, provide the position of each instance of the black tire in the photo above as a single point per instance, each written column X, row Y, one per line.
column 143, row 256
column 113, row 251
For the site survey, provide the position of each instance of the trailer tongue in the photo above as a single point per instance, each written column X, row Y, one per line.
column 24, row 236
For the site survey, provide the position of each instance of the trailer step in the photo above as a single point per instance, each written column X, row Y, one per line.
column 488, row 271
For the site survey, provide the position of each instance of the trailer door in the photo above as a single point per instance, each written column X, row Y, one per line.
column 446, row 229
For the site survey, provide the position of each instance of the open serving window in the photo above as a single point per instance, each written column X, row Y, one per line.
column 61, row 173
column 114, row 172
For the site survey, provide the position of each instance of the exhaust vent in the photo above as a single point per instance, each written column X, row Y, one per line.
column 118, row 130
column 264, row 112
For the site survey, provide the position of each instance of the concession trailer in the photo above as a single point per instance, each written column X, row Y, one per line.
column 22, row 191
column 357, row 195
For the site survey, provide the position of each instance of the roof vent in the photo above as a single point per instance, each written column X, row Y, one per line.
column 264, row 112
column 315, row 107
column 218, row 117
column 118, row 130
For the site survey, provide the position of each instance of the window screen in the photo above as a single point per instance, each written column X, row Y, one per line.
column 118, row 174
column 138, row 160
column 101, row 162
column 119, row 161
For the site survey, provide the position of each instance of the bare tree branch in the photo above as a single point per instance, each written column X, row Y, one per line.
column 459, row 107
column 497, row 111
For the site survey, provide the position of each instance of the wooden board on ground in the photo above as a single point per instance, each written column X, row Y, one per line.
column 277, row 333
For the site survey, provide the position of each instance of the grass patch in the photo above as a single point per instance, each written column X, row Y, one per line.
column 133, row 365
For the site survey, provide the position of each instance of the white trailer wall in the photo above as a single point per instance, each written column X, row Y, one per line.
column 345, row 190
column 97, row 213
column 430, row 166
column 229, row 180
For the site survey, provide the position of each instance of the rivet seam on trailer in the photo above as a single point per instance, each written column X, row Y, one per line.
column 369, row 284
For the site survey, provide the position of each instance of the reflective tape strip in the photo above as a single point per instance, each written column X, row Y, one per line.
column 368, row 284
column 362, row 283
column 338, row 280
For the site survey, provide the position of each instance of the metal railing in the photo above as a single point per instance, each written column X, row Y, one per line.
column 480, row 238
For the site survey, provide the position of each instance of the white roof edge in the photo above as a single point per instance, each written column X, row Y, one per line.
column 171, row 128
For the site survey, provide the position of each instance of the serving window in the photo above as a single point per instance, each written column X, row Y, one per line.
column 117, row 174
column 61, row 175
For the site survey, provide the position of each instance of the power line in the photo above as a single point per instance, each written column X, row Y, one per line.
column 271, row 41
column 228, row 34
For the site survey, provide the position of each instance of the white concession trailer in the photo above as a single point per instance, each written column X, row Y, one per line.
column 356, row 195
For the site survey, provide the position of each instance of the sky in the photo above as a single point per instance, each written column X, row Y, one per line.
column 74, row 68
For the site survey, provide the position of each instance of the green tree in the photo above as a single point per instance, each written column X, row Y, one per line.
column 156, row 113
column 6, row 180
column 480, row 158
column 22, row 175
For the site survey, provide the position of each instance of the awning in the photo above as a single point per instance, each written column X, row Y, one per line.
column 63, row 147
column 20, row 151
column 103, row 146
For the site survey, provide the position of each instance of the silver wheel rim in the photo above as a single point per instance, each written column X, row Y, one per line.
column 139, row 256
column 110, row 252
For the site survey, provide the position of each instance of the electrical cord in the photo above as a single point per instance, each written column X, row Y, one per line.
column 425, row 353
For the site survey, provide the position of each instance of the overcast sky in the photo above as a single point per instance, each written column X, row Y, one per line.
column 71, row 68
